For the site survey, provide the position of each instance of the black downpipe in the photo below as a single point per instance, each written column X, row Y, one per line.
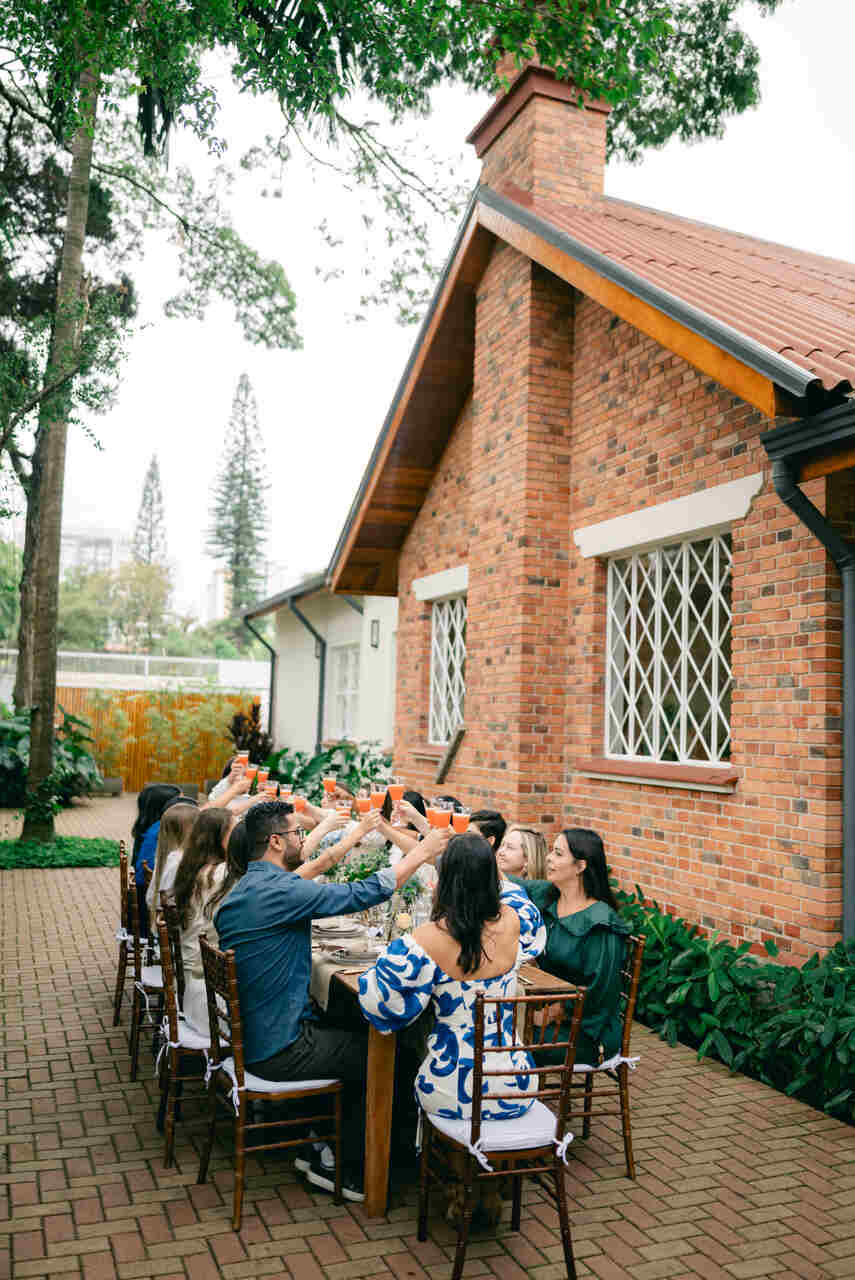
column 272, row 652
column 842, row 553
column 322, row 674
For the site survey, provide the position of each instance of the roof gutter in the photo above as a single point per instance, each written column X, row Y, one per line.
column 321, row 655
column 788, row 448
column 272, row 652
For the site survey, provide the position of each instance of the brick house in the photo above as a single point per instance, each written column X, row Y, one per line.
column 572, row 500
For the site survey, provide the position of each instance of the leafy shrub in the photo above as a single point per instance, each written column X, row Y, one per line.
column 65, row 851
column 247, row 735
column 793, row 1028
column 354, row 764
column 74, row 769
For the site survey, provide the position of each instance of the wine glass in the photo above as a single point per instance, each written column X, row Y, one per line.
column 396, row 795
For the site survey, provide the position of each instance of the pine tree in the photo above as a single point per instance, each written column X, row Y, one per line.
column 150, row 533
column 238, row 529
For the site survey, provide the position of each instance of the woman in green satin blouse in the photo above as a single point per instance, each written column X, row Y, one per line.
column 585, row 938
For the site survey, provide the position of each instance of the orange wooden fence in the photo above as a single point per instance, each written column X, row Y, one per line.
column 172, row 736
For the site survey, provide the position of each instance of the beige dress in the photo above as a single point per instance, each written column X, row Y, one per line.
column 195, row 1006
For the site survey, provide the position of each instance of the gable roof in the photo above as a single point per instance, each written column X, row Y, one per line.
column 774, row 325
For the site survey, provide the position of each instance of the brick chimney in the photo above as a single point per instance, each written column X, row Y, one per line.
column 536, row 137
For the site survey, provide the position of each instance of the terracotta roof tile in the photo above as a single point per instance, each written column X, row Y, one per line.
column 800, row 305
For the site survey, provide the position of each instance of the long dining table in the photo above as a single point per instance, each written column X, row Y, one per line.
column 380, row 1086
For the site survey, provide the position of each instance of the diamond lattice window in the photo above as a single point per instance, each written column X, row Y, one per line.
column 447, row 668
column 669, row 680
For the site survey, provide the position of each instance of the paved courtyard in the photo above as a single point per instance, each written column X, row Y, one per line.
column 734, row 1180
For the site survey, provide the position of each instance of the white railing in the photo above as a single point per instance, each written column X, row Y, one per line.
column 145, row 671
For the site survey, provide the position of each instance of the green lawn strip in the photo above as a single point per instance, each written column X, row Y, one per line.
column 65, row 851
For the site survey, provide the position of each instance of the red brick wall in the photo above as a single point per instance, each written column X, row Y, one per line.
column 576, row 417
column 551, row 149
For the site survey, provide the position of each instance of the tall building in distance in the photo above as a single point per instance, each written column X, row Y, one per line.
column 94, row 549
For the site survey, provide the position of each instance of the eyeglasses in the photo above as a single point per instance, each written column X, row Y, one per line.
column 292, row 831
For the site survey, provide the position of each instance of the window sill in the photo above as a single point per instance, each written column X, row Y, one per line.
column 428, row 752
column 687, row 777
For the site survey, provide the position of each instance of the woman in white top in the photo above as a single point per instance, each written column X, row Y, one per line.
column 201, row 871
column 480, row 933
column 175, row 827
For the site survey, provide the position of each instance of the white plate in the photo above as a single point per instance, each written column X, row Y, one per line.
column 341, row 926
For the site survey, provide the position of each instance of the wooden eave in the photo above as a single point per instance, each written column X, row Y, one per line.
column 438, row 377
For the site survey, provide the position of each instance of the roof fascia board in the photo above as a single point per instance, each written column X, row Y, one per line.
column 418, row 354
column 773, row 368
column 306, row 588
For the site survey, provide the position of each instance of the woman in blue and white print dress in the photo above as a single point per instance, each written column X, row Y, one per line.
column 480, row 933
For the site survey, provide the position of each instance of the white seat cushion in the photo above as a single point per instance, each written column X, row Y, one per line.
column 256, row 1085
column 152, row 976
column 190, row 1039
column 535, row 1129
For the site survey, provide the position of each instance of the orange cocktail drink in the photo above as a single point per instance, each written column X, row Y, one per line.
column 460, row 821
column 329, row 783
column 363, row 803
column 438, row 817
column 378, row 799
column 396, row 792
column 299, row 803
column 250, row 771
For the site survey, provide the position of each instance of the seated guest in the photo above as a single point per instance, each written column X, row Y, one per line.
column 231, row 774
column 175, row 827
column 522, row 853
column 151, row 802
column 476, row 940
column 586, row 939
column 201, row 871
column 266, row 920
column 490, row 824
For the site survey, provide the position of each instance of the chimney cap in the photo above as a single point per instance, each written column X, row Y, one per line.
column 532, row 81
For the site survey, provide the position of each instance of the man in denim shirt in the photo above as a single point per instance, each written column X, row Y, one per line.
column 266, row 920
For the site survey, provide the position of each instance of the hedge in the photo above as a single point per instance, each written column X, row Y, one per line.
column 791, row 1027
column 65, row 851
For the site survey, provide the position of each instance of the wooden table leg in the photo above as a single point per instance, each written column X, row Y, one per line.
column 379, row 1093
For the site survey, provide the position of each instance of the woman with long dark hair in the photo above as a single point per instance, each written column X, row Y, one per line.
column 201, row 871
column 586, row 938
column 478, row 936
column 151, row 802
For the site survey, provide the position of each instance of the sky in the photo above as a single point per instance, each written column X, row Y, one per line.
column 783, row 171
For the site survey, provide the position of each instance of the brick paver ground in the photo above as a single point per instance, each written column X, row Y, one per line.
column 734, row 1181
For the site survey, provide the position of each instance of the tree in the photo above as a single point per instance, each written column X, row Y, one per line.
column 140, row 603
column 683, row 65
column 85, row 606
column 150, row 533
column 237, row 532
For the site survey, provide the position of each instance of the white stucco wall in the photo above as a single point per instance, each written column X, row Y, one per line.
column 297, row 668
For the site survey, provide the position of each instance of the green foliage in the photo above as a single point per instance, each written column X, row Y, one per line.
column 236, row 535
column 247, row 735
column 114, row 736
column 355, row 765
column 180, row 729
column 64, row 851
column 10, row 578
column 74, row 770
column 85, row 603
column 793, row 1028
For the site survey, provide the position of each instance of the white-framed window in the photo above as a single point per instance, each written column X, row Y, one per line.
column 344, row 691
column 668, row 672
column 447, row 668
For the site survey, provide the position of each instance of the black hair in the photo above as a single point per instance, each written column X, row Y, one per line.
column 491, row 824
column 151, row 802
column 262, row 821
column 204, row 848
column 467, row 895
column 587, row 846
column 452, row 800
column 227, row 768
column 237, row 857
